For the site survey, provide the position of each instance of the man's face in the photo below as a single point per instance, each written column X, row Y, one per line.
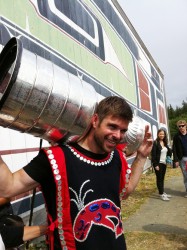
column 182, row 128
column 109, row 133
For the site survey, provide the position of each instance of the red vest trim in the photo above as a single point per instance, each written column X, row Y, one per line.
column 63, row 221
column 125, row 175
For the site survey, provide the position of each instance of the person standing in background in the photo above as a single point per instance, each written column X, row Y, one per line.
column 13, row 232
column 11, row 226
column 159, row 153
column 180, row 150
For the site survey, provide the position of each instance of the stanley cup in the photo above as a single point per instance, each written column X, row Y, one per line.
column 40, row 98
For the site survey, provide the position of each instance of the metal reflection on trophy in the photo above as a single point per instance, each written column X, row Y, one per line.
column 135, row 134
column 40, row 98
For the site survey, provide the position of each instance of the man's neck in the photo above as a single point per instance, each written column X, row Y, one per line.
column 183, row 133
column 84, row 145
column 89, row 144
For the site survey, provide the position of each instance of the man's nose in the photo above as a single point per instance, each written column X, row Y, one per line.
column 117, row 134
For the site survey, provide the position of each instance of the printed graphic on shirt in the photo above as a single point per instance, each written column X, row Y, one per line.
column 101, row 212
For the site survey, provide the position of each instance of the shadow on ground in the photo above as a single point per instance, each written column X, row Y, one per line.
column 163, row 228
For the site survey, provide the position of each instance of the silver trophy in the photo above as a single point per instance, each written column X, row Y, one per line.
column 39, row 98
column 134, row 135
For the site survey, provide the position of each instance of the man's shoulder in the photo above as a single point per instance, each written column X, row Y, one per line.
column 55, row 147
column 120, row 154
column 176, row 135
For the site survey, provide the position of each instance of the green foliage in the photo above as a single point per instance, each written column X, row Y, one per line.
column 179, row 113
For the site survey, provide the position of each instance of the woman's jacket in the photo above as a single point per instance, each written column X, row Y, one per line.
column 156, row 152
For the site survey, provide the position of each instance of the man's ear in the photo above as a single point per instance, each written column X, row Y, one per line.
column 95, row 120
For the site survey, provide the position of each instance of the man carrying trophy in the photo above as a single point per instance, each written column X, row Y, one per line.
column 84, row 180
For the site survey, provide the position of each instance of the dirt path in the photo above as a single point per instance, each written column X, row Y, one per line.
column 165, row 219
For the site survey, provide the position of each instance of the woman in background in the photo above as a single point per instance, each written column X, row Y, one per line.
column 160, row 152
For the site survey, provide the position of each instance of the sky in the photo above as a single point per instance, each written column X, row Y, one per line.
column 162, row 26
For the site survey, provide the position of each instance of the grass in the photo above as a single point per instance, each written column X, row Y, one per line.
column 156, row 241
column 146, row 187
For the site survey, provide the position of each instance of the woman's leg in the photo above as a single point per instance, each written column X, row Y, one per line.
column 163, row 172
column 159, row 181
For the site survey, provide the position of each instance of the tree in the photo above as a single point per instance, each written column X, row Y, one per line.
column 171, row 111
column 180, row 113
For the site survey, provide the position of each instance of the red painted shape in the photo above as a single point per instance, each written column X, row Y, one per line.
column 144, row 91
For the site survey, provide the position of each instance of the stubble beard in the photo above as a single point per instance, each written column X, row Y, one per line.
column 100, row 145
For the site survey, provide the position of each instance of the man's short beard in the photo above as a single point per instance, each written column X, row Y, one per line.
column 98, row 143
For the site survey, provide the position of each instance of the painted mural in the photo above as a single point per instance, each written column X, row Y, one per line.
column 92, row 40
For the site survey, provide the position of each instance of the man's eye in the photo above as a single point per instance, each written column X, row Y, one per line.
column 112, row 127
column 124, row 131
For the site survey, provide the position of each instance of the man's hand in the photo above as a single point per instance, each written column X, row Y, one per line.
column 147, row 144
